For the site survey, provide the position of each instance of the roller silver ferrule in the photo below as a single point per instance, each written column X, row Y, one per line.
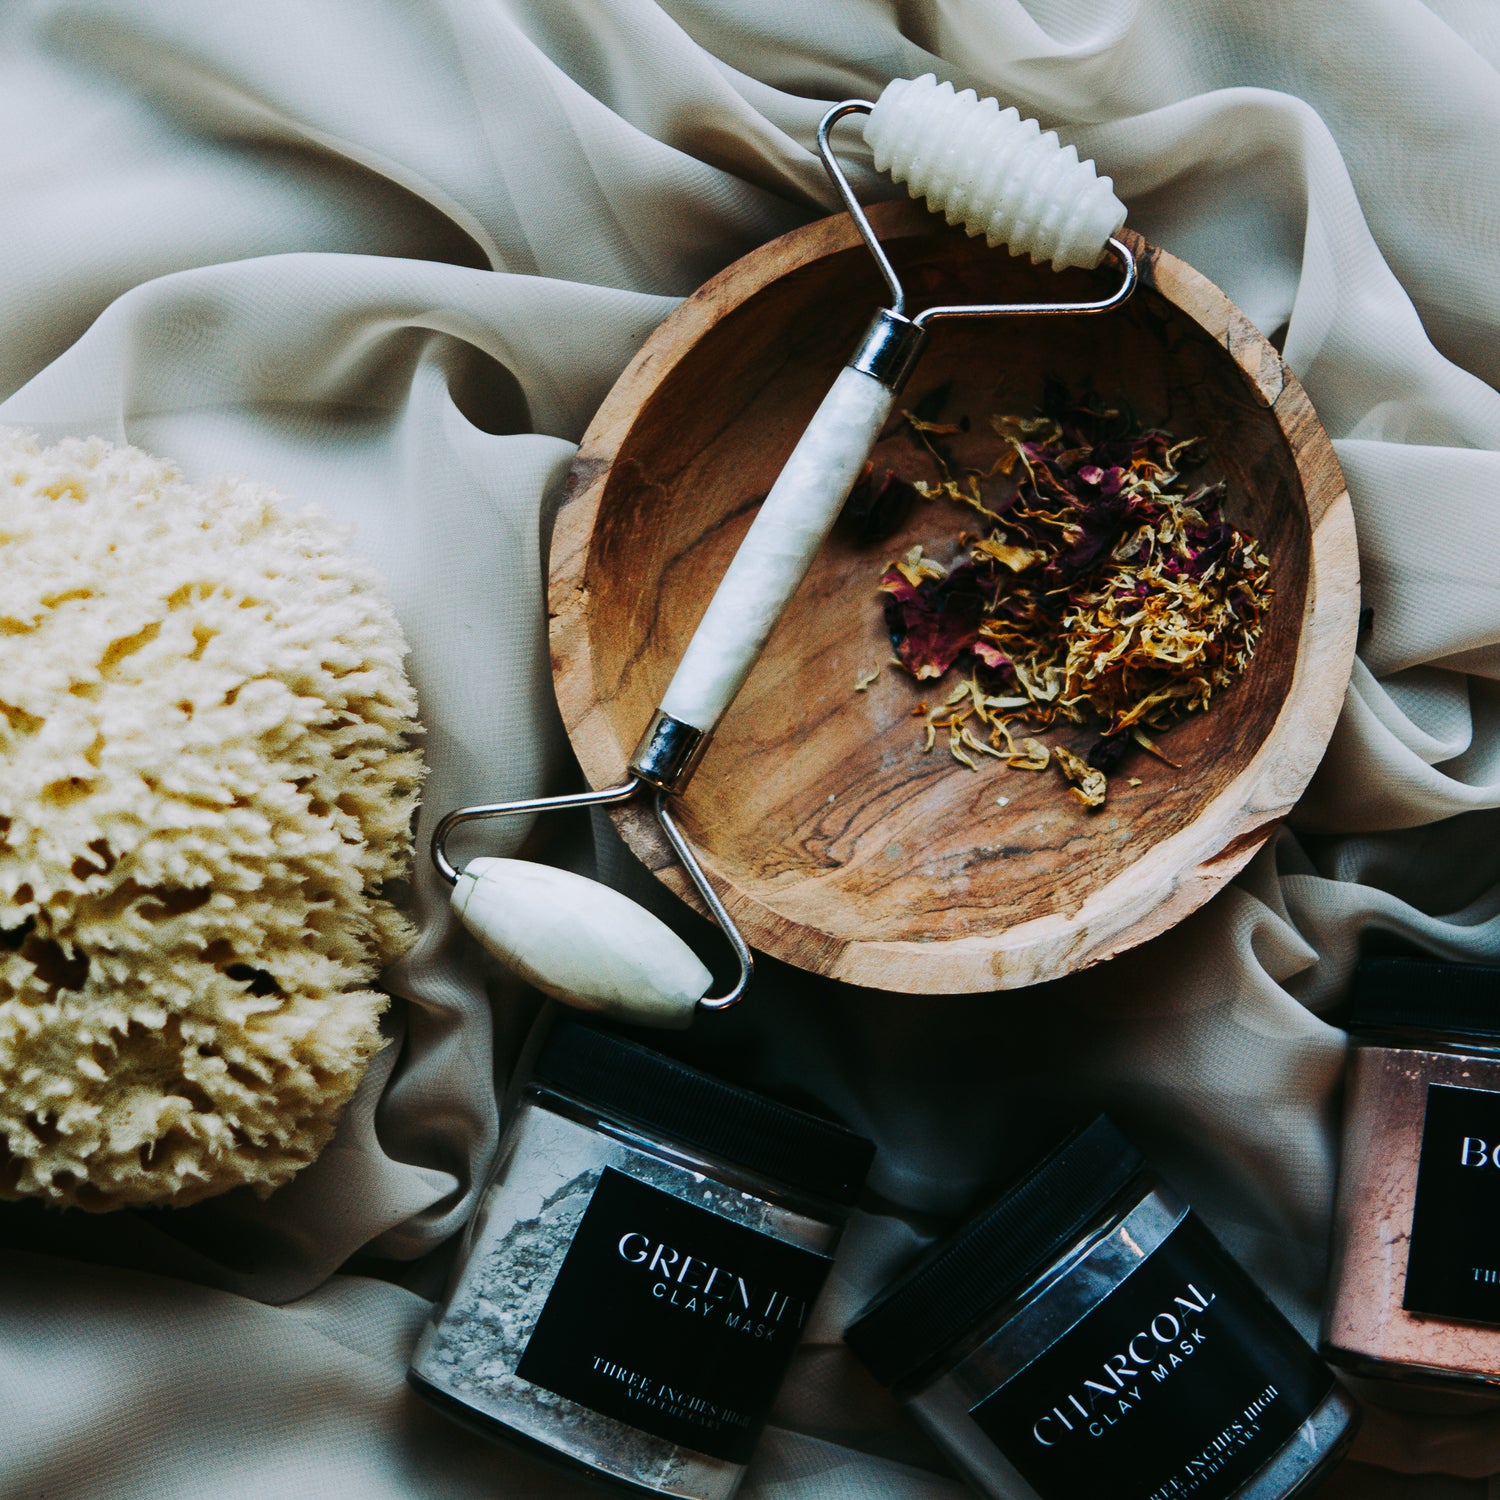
column 668, row 753
column 889, row 348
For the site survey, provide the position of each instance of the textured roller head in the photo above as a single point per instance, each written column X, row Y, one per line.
column 993, row 172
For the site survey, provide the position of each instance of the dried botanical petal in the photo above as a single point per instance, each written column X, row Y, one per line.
column 915, row 569
column 1088, row 784
column 956, row 749
column 946, row 429
column 1023, row 429
column 1017, row 559
column 1098, row 525
column 1152, row 748
column 865, row 678
column 967, row 736
column 1031, row 755
column 938, row 621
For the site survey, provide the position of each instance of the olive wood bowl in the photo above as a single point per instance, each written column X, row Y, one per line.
column 837, row 844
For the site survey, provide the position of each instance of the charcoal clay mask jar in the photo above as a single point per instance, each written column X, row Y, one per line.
column 1415, row 1292
column 640, row 1267
column 1086, row 1335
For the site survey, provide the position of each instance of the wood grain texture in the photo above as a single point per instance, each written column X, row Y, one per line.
column 837, row 844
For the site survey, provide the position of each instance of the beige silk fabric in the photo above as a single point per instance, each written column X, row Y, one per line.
column 388, row 257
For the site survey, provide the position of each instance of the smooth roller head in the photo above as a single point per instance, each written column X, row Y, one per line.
column 993, row 172
column 581, row 942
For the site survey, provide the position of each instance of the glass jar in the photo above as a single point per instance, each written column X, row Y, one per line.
column 1086, row 1335
column 640, row 1267
column 1415, row 1292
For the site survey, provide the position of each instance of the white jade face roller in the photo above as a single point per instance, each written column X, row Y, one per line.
column 999, row 176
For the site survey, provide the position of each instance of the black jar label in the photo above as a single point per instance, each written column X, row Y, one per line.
column 1181, row 1383
column 1453, row 1256
column 672, row 1319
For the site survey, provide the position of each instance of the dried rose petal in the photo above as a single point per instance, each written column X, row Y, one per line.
column 933, row 624
column 1098, row 529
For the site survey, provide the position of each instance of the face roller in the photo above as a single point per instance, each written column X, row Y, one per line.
column 996, row 174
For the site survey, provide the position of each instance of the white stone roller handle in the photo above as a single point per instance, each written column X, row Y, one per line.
column 778, row 549
column 581, row 942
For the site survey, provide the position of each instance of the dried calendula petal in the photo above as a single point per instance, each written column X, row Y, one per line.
column 1088, row 784
column 917, row 569
column 956, row 749
column 1020, row 429
column 967, row 736
column 944, row 429
column 1031, row 755
column 1150, row 746
column 1017, row 559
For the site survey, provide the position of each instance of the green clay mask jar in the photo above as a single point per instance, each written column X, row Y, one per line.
column 1086, row 1335
column 640, row 1267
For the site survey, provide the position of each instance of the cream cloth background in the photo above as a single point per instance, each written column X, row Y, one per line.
column 389, row 257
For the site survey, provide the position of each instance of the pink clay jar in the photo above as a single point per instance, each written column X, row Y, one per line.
column 1415, row 1291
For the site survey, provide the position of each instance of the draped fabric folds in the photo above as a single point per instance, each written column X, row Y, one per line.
column 389, row 257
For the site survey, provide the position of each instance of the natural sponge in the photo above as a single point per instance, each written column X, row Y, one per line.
column 206, row 779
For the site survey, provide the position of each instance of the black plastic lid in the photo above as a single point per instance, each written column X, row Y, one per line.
column 996, row 1255
column 644, row 1088
column 1426, row 994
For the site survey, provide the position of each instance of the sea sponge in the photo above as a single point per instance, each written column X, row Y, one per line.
column 207, row 777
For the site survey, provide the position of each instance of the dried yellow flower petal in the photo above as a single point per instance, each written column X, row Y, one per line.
column 1017, row 559
column 1150, row 746
column 1031, row 755
column 914, row 567
column 1088, row 784
column 967, row 736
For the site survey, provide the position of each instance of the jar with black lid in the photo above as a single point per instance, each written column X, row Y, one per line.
column 1415, row 1283
column 1086, row 1335
column 640, row 1267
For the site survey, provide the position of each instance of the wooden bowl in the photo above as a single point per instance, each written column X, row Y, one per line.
column 836, row 843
